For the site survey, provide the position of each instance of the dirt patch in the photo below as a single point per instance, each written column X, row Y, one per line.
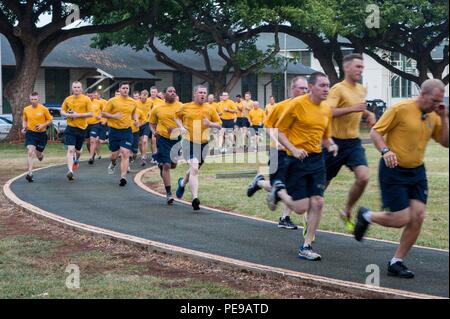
column 14, row 221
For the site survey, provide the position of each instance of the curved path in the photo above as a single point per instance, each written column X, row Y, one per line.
column 95, row 199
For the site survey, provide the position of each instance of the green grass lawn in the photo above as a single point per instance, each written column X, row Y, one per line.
column 229, row 194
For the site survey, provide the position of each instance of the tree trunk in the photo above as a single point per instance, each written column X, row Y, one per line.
column 326, row 62
column 233, row 81
column 18, row 90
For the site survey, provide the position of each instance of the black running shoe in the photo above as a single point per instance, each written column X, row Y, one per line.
column 69, row 176
column 272, row 198
column 170, row 199
column 29, row 178
column 180, row 190
column 361, row 224
column 286, row 223
column 123, row 182
column 91, row 161
column 253, row 187
column 196, row 204
column 399, row 270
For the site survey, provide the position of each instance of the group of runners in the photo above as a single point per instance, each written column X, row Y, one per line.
column 313, row 134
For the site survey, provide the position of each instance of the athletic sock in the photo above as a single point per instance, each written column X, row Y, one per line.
column 394, row 260
column 168, row 190
column 368, row 216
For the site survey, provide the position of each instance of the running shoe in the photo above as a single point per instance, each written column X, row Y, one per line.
column 306, row 252
column 196, row 204
column 399, row 269
column 349, row 225
column 29, row 178
column 286, row 223
column 91, row 160
column 69, row 175
column 253, row 187
column 123, row 182
column 169, row 199
column 111, row 168
column 361, row 224
column 272, row 198
column 76, row 165
column 180, row 189
column 41, row 158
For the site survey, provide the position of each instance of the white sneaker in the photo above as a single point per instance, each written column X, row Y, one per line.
column 111, row 168
column 306, row 252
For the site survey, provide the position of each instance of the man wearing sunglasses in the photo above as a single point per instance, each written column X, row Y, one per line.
column 401, row 135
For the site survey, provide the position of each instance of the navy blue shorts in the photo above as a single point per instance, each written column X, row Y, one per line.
column 228, row 124
column 256, row 129
column 167, row 150
column 74, row 136
column 135, row 146
column 305, row 178
column 242, row 122
column 399, row 185
column 103, row 132
column 144, row 129
column 93, row 130
column 351, row 154
column 120, row 138
column 194, row 150
column 278, row 164
column 37, row 139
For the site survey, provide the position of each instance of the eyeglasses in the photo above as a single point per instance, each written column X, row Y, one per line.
column 302, row 88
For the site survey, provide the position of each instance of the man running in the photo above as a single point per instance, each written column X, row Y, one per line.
column 214, row 132
column 401, row 135
column 94, row 127
column 103, row 128
column 195, row 119
column 154, row 97
column 304, row 126
column 270, row 105
column 348, row 102
column 77, row 108
column 256, row 118
column 121, row 112
column 162, row 120
column 229, row 111
column 145, row 105
column 247, row 106
column 135, row 130
column 277, row 154
column 35, row 120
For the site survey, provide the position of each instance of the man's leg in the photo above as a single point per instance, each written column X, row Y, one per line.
column 361, row 180
column 314, row 216
column 124, row 164
column 412, row 229
column 70, row 157
column 154, row 148
column 143, row 146
column 93, row 146
column 31, row 151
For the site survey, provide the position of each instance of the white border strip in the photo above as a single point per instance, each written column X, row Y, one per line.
column 317, row 280
column 138, row 181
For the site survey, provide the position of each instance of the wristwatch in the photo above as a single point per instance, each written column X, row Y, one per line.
column 384, row 150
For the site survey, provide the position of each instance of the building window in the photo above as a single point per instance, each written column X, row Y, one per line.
column 305, row 58
column 278, row 89
column 249, row 83
column 400, row 87
column 183, row 84
column 57, row 85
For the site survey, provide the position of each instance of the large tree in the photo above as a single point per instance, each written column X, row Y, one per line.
column 32, row 44
column 212, row 29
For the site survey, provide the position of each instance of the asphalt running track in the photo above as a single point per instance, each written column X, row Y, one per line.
column 95, row 198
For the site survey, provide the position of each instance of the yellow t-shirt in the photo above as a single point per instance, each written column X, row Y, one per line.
column 35, row 116
column 156, row 101
column 306, row 123
column 406, row 133
column 103, row 103
column 146, row 108
column 269, row 108
column 77, row 104
column 239, row 108
column 247, row 106
column 192, row 115
column 256, row 116
column 164, row 117
column 274, row 115
column 141, row 120
column 97, row 109
column 126, row 106
column 344, row 94
column 229, row 104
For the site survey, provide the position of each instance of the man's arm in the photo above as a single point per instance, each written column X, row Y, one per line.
column 337, row 112
column 330, row 145
column 390, row 158
column 443, row 113
column 296, row 152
